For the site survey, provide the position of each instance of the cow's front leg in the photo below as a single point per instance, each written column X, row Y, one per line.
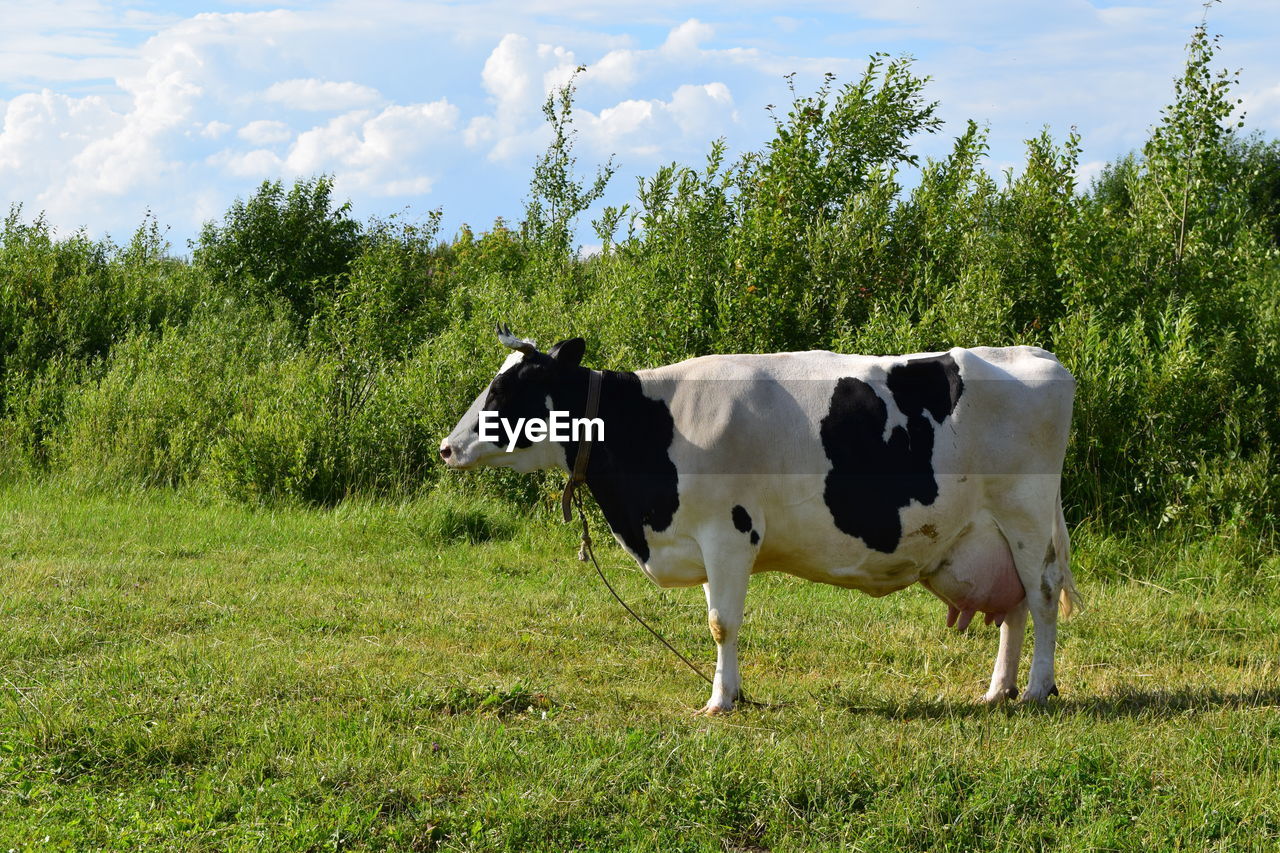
column 726, row 589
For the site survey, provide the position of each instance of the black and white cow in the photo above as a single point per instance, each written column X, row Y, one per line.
column 865, row 472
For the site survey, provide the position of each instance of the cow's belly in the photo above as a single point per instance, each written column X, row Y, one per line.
column 852, row 567
column 958, row 554
column 821, row 552
column 953, row 547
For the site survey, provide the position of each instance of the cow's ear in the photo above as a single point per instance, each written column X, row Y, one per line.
column 568, row 353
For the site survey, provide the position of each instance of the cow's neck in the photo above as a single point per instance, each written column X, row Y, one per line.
column 630, row 472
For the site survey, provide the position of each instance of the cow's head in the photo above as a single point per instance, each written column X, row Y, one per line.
column 529, row 385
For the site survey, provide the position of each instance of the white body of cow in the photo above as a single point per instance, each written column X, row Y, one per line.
column 755, row 440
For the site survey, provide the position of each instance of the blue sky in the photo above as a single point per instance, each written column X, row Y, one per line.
column 113, row 109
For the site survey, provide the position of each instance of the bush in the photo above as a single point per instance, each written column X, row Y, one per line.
column 318, row 428
column 165, row 400
column 296, row 247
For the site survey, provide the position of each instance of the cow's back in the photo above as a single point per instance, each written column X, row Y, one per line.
column 858, row 470
column 744, row 415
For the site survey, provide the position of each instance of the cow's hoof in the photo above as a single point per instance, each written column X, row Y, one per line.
column 1039, row 697
column 713, row 710
column 999, row 695
column 995, row 697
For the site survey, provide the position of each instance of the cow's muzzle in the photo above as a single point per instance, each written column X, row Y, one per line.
column 448, row 455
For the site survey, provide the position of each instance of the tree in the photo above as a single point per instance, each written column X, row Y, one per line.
column 295, row 246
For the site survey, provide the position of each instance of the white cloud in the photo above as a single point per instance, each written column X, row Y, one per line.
column 163, row 99
column 1087, row 173
column 101, row 159
column 98, row 121
column 686, row 38
column 321, row 148
column 214, row 129
column 45, row 128
column 518, row 75
column 400, row 130
column 71, row 155
column 265, row 132
column 321, row 95
column 617, row 68
column 258, row 163
column 693, row 116
column 371, row 152
column 1128, row 15
column 1261, row 108
column 56, row 41
column 628, row 125
column 419, row 185
column 508, row 74
column 702, row 111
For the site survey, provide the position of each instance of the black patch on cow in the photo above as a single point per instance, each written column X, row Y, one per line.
column 1050, row 553
column 630, row 473
column 742, row 521
column 872, row 479
column 520, row 392
column 929, row 384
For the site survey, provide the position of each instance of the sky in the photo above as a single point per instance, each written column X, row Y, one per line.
column 111, row 110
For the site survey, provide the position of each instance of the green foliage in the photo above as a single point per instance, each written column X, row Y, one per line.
column 833, row 158
column 394, row 296
column 318, row 428
column 164, row 401
column 303, row 355
column 1261, row 161
column 271, row 691
column 295, row 246
column 63, row 305
column 36, row 406
column 556, row 197
column 74, row 298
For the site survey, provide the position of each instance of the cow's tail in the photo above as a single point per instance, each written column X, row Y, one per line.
column 1069, row 599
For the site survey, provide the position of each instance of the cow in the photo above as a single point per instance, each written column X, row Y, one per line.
column 866, row 472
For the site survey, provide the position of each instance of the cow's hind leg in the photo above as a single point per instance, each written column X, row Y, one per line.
column 1004, row 679
column 1041, row 555
column 1044, row 620
column 1056, row 588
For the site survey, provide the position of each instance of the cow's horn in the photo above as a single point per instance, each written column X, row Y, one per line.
column 512, row 342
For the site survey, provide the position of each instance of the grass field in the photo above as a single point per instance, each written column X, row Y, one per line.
column 182, row 674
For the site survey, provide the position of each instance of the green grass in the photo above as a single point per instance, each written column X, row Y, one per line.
column 179, row 674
